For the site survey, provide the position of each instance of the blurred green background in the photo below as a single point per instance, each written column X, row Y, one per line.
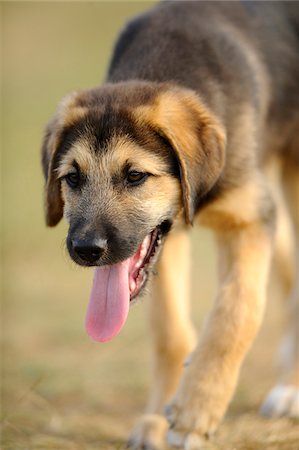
column 60, row 390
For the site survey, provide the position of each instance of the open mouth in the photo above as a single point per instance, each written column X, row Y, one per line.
column 114, row 287
column 141, row 262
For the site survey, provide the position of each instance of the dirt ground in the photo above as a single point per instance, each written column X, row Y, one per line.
column 60, row 391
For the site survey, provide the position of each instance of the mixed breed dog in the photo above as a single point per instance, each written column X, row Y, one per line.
column 197, row 123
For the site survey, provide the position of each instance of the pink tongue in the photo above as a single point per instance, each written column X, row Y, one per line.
column 109, row 302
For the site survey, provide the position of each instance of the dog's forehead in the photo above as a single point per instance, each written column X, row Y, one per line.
column 109, row 136
column 118, row 153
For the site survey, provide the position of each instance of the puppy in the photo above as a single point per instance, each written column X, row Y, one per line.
column 201, row 98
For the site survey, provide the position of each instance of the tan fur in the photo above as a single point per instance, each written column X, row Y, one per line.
column 241, row 214
column 197, row 98
column 173, row 339
column 285, row 242
column 69, row 111
column 244, row 257
column 120, row 151
column 79, row 153
column 101, row 169
column 235, row 208
column 229, row 330
column 177, row 113
column 291, row 185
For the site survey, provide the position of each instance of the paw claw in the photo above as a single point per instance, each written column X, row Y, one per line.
column 170, row 414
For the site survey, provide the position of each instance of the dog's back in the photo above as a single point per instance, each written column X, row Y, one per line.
column 229, row 52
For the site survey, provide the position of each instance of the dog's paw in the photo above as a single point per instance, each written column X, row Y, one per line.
column 189, row 427
column 193, row 417
column 149, row 433
column 189, row 441
column 282, row 400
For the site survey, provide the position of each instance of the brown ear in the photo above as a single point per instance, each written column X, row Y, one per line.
column 53, row 199
column 197, row 138
column 66, row 114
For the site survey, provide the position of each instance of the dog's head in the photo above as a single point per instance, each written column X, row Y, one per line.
column 121, row 163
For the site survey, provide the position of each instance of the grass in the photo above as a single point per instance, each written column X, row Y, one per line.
column 59, row 389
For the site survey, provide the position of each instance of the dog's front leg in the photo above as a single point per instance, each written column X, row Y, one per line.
column 172, row 336
column 210, row 378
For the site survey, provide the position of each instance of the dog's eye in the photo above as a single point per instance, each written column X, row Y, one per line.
column 73, row 179
column 134, row 178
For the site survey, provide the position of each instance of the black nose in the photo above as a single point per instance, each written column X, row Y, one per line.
column 89, row 251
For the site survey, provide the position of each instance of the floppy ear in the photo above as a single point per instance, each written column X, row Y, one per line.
column 53, row 199
column 197, row 138
column 66, row 114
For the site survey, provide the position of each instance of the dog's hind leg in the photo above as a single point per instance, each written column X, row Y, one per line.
column 172, row 335
column 283, row 399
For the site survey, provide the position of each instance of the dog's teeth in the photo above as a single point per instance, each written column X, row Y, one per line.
column 143, row 250
column 132, row 285
column 139, row 262
column 142, row 255
column 145, row 244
